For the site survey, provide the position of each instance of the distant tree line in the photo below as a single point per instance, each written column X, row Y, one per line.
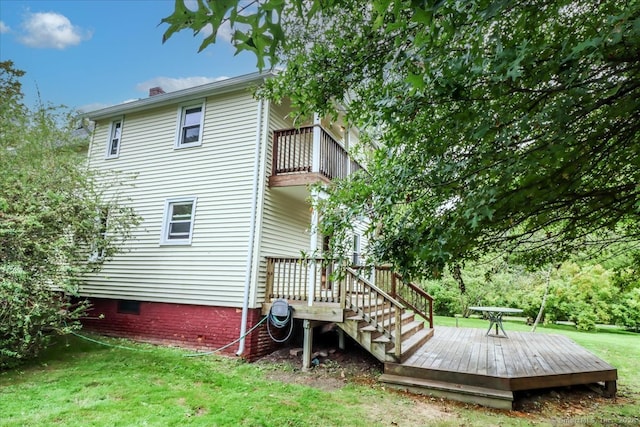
column 605, row 290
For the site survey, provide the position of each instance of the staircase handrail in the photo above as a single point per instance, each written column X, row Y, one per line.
column 408, row 293
column 412, row 287
column 382, row 326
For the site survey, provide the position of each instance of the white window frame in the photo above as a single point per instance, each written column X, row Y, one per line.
column 102, row 218
column 110, row 138
column 167, row 220
column 356, row 255
column 182, row 110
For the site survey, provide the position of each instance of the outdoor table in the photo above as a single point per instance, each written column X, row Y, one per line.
column 495, row 316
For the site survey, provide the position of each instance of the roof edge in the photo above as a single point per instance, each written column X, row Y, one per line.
column 218, row 87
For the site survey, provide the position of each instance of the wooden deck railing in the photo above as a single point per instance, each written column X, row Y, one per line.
column 409, row 294
column 376, row 307
column 288, row 278
column 379, row 302
column 293, row 154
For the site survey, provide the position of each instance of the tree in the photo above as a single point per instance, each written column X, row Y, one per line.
column 50, row 227
column 502, row 125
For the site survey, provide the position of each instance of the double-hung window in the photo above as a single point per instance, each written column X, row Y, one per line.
column 190, row 124
column 98, row 249
column 355, row 257
column 115, row 135
column 177, row 226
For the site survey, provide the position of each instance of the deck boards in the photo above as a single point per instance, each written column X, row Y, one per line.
column 523, row 361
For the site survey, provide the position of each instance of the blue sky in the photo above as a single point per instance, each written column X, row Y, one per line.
column 89, row 54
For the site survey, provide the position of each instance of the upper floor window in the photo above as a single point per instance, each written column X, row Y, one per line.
column 190, row 121
column 115, row 135
column 177, row 226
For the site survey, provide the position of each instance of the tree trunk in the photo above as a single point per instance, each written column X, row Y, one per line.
column 544, row 301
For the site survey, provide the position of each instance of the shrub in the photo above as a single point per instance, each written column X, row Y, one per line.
column 50, row 223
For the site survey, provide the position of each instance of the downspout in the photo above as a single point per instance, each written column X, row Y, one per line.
column 252, row 231
column 91, row 138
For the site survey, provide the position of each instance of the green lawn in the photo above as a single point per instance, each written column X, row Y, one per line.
column 79, row 383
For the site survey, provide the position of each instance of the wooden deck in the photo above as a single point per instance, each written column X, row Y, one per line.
column 459, row 362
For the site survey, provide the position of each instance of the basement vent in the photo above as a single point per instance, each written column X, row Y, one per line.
column 128, row 307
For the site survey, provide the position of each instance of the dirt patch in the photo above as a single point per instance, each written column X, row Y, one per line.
column 567, row 404
column 333, row 369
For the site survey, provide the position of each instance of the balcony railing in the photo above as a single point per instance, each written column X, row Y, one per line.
column 310, row 149
column 288, row 278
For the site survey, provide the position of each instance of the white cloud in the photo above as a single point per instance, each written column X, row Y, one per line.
column 51, row 30
column 224, row 31
column 191, row 5
column 4, row 28
column 170, row 84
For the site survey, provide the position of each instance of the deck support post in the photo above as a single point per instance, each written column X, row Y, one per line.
column 341, row 345
column 610, row 388
column 307, row 344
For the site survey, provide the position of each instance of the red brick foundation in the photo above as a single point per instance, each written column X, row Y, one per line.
column 191, row 326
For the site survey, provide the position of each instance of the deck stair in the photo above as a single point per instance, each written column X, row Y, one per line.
column 391, row 332
column 380, row 323
column 393, row 320
column 495, row 398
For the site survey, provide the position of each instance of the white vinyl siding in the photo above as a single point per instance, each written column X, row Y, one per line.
column 114, row 139
column 210, row 271
column 286, row 220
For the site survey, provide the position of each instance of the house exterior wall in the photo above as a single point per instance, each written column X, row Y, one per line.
column 211, row 270
column 192, row 294
column 286, row 219
column 198, row 327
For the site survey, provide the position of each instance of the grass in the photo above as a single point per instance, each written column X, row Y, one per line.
column 83, row 384
column 79, row 383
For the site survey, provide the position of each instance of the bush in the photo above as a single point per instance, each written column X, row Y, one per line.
column 51, row 221
column 30, row 312
column 627, row 313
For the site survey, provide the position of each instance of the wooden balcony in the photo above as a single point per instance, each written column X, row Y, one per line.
column 308, row 155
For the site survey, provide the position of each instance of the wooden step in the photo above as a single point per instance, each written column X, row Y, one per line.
column 382, row 339
column 410, row 328
column 405, row 318
column 501, row 399
column 412, row 343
